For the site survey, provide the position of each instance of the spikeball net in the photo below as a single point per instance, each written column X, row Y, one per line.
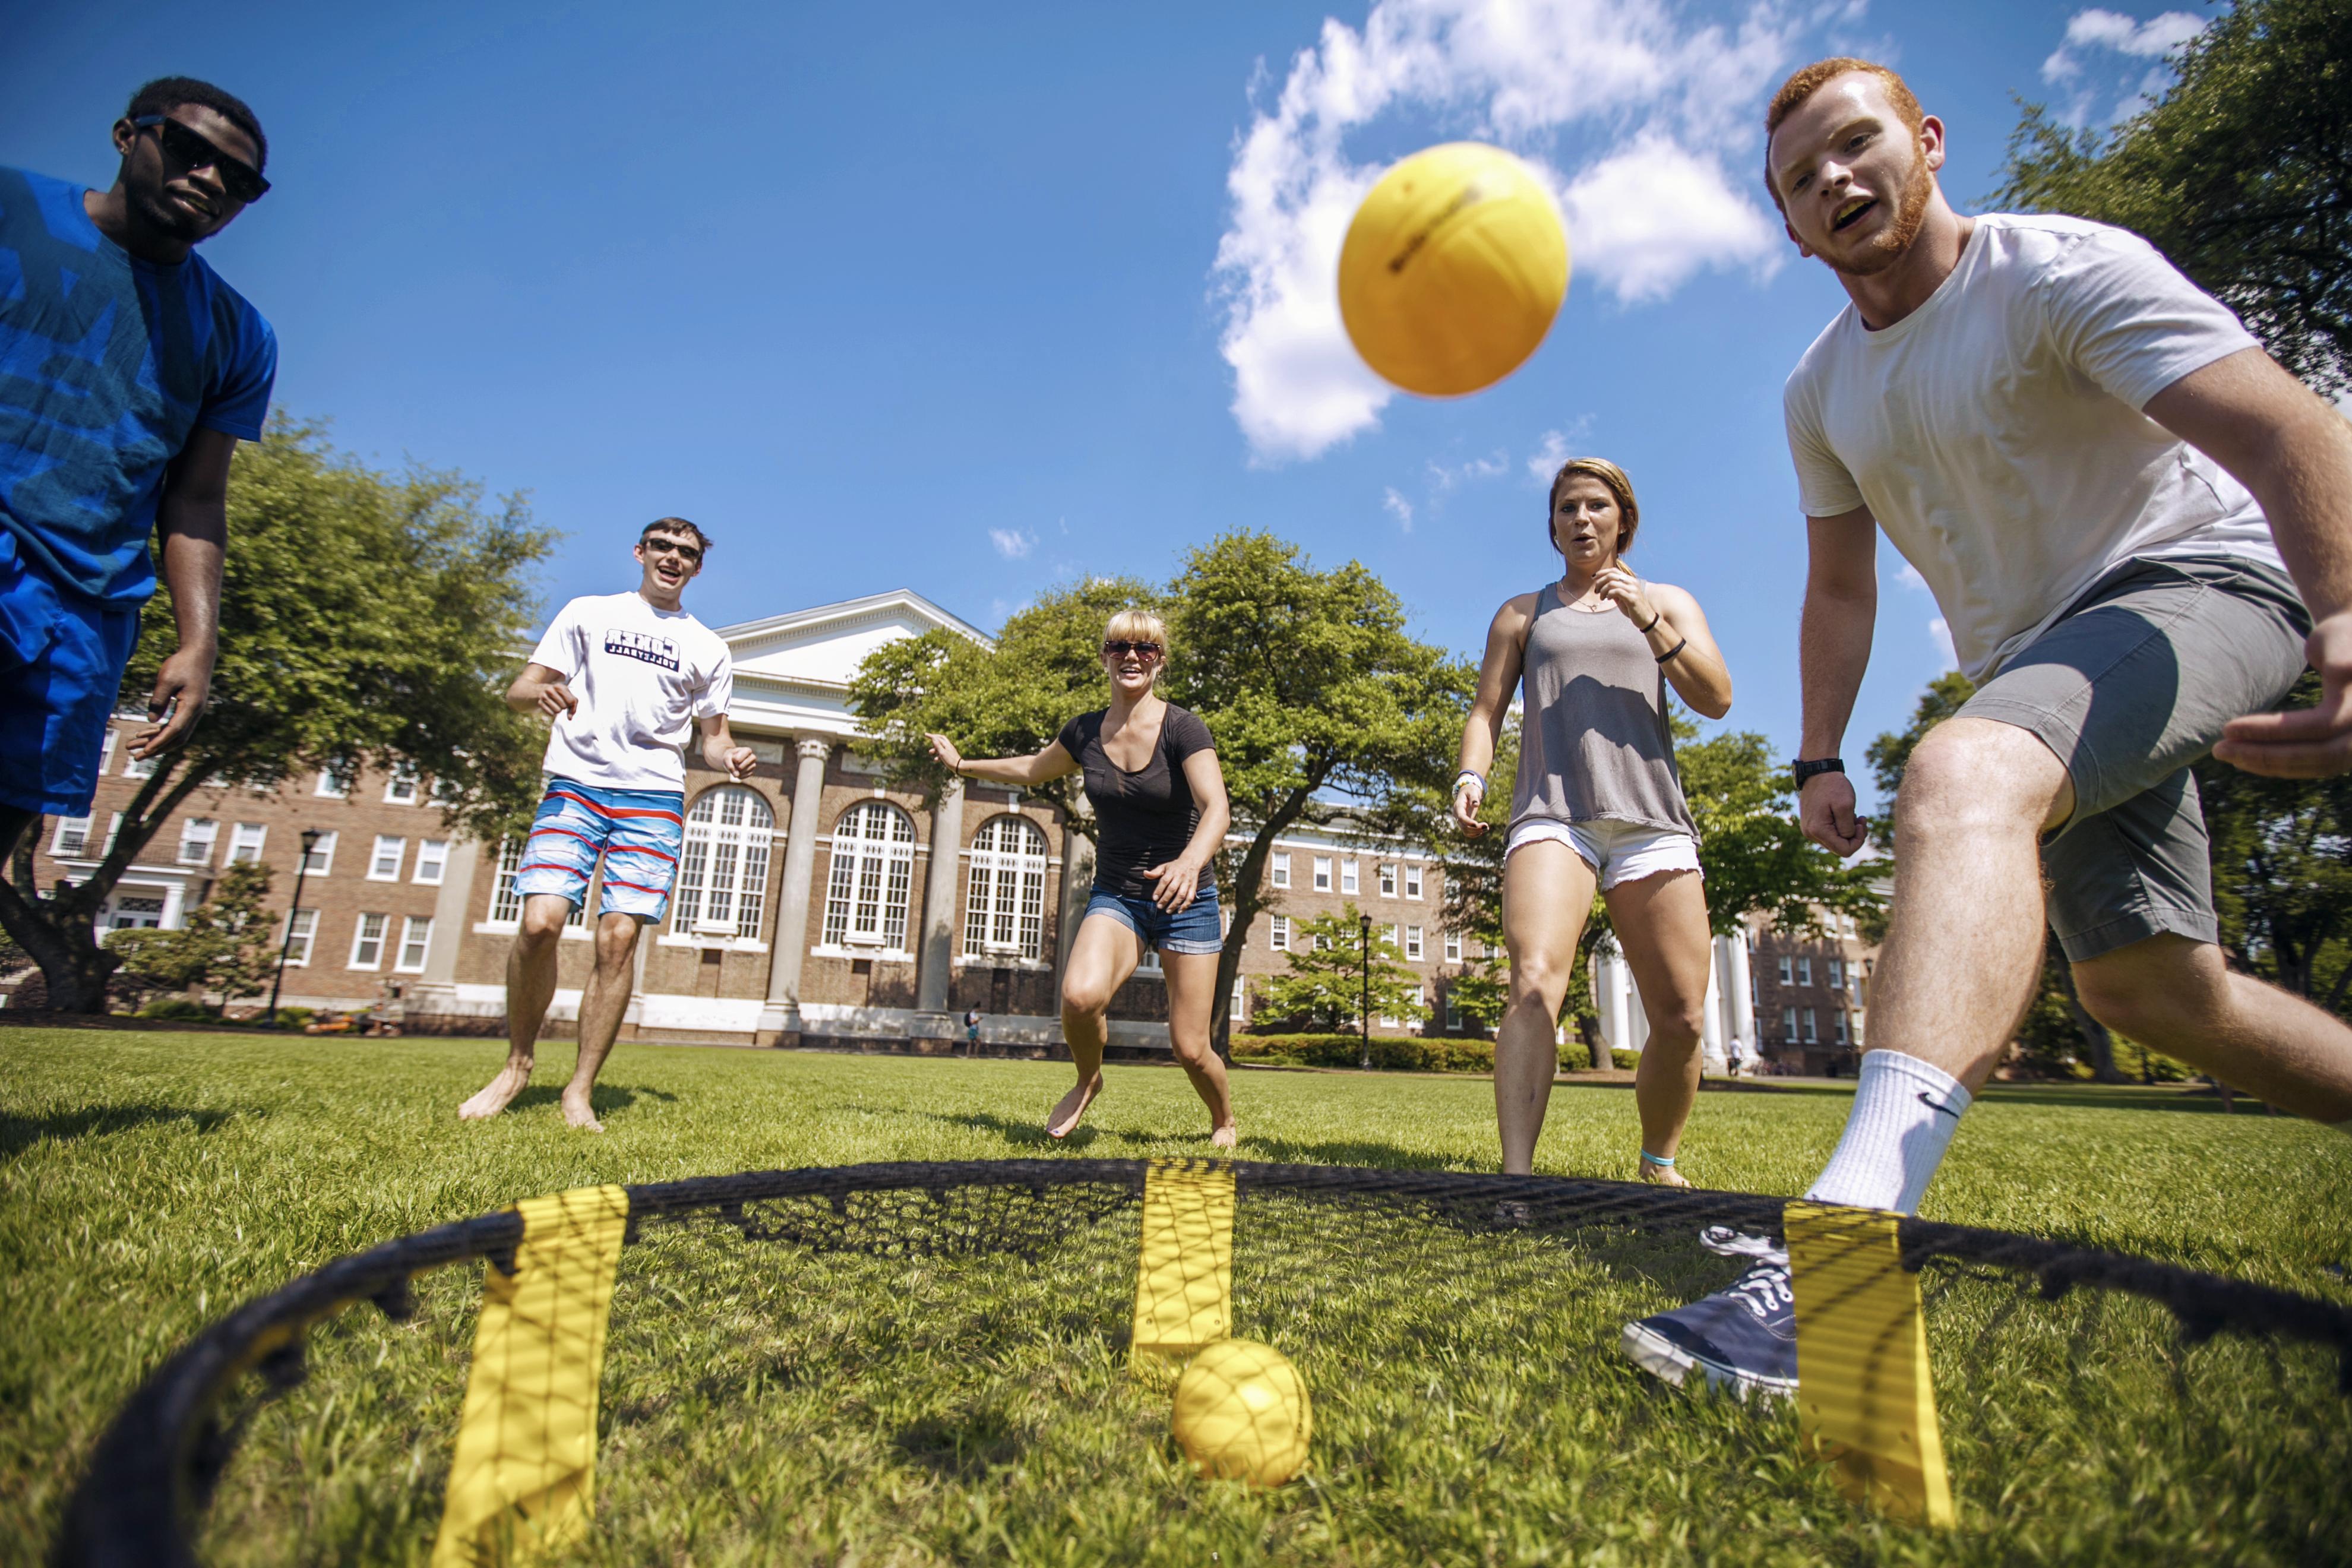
column 618, row 1337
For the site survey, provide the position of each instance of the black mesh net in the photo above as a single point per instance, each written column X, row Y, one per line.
column 939, row 1361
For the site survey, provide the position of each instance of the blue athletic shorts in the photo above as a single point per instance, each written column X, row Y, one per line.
column 61, row 658
column 1194, row 929
column 638, row 831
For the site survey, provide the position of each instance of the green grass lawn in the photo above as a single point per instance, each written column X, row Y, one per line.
column 764, row 1404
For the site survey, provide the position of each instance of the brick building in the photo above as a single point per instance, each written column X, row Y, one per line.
column 882, row 946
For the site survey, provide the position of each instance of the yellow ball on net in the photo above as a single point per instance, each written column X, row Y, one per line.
column 1241, row 1414
column 1453, row 271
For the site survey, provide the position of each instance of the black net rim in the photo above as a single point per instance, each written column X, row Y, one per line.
column 151, row 1474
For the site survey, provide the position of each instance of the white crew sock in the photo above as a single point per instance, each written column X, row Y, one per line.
column 1905, row 1111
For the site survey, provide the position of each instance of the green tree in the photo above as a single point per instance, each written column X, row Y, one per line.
column 225, row 946
column 1326, row 985
column 364, row 620
column 2282, row 871
column 2241, row 174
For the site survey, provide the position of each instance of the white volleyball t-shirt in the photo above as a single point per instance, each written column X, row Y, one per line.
column 643, row 676
column 1996, row 431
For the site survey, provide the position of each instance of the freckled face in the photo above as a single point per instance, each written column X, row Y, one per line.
column 1853, row 178
column 1585, row 522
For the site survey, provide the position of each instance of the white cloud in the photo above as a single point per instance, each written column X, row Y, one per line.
column 1670, row 100
column 1908, row 575
column 1493, row 466
column 2091, row 34
column 1012, row 542
column 1399, row 507
column 1941, row 634
column 1554, row 448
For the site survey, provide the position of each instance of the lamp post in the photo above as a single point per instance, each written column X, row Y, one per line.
column 1364, row 947
column 301, row 869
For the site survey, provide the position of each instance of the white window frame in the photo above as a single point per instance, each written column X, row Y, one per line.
column 1322, row 873
column 399, row 842
column 415, row 932
column 1804, row 972
column 1005, row 890
column 134, row 766
column 403, row 787
column 1813, row 1029
column 506, row 904
column 1396, row 935
column 239, row 850
column 322, row 862
column 300, row 937
column 1788, row 970
column 204, row 842
column 1413, row 947
column 1838, row 1026
column 106, row 750
column 1412, row 881
column 78, row 826
column 722, row 866
column 331, row 786
column 1350, row 876
column 869, row 877
column 433, row 855
column 1281, row 874
column 1837, row 974
column 1453, row 948
column 1278, row 936
column 362, row 939
column 1789, row 1025
column 1237, row 1009
column 1388, row 879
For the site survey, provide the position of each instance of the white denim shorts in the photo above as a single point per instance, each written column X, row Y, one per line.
column 1617, row 851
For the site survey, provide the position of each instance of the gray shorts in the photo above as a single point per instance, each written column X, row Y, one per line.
column 2128, row 687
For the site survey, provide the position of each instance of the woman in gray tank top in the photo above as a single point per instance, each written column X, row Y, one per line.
column 1597, row 804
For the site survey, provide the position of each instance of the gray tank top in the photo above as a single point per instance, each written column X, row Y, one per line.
column 1593, row 741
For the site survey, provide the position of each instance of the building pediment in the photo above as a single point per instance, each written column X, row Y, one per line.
column 821, row 647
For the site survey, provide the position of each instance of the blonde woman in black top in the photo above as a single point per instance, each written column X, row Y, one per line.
column 1159, row 803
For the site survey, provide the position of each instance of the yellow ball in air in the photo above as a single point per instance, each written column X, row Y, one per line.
column 1452, row 269
column 1241, row 1414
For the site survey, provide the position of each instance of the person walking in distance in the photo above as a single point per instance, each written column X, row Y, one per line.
column 129, row 372
column 1598, row 804
column 2139, row 528
column 627, row 680
column 1152, row 777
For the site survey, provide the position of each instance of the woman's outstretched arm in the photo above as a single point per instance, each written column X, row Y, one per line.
column 1053, row 763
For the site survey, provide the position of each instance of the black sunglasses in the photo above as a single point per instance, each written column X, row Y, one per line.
column 1146, row 651
column 193, row 150
column 671, row 547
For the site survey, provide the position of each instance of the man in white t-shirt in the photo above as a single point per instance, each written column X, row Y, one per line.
column 627, row 680
column 2139, row 528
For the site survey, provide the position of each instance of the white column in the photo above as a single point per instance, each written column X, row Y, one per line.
column 436, row 990
column 1712, row 1056
column 1608, row 993
column 935, row 959
column 1738, row 997
column 780, row 1020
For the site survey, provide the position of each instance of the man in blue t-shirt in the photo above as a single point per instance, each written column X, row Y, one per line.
column 129, row 372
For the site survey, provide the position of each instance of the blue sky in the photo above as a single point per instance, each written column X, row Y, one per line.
column 977, row 300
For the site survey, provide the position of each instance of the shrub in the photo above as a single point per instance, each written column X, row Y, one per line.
column 1389, row 1053
column 181, row 1008
column 1626, row 1060
column 291, row 1018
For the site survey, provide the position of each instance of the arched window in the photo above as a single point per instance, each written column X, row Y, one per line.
column 722, row 867
column 872, row 867
column 1004, row 901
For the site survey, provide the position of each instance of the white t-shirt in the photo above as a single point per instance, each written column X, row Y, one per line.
column 1996, row 431
column 643, row 676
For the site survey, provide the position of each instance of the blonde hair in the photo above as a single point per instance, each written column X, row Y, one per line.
column 1619, row 488
column 1137, row 625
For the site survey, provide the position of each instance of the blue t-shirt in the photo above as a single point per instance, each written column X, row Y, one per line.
column 106, row 363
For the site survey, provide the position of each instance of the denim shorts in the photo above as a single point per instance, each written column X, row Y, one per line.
column 1194, row 929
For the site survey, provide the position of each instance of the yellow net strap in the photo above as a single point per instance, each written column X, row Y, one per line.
column 1185, row 1281
column 1864, row 1396
column 524, row 1477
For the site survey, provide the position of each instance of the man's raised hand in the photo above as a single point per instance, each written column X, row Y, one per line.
column 2313, row 742
column 740, row 761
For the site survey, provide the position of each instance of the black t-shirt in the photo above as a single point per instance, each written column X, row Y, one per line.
column 1147, row 816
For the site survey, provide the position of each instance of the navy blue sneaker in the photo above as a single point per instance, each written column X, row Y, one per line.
column 1743, row 1338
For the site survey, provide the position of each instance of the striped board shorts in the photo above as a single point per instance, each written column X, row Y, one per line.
column 638, row 831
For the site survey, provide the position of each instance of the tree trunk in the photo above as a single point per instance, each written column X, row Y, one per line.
column 1244, row 899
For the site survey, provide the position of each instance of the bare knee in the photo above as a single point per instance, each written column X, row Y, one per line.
column 1087, row 998
column 616, row 944
column 540, row 927
column 1191, row 1051
column 1971, row 777
column 1678, row 1027
column 1538, row 978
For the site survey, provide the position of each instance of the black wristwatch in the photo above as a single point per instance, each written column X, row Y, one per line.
column 1820, row 765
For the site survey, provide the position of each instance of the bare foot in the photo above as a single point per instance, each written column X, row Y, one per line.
column 1224, row 1137
column 576, row 1112
column 1064, row 1119
column 1663, row 1175
column 500, row 1093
